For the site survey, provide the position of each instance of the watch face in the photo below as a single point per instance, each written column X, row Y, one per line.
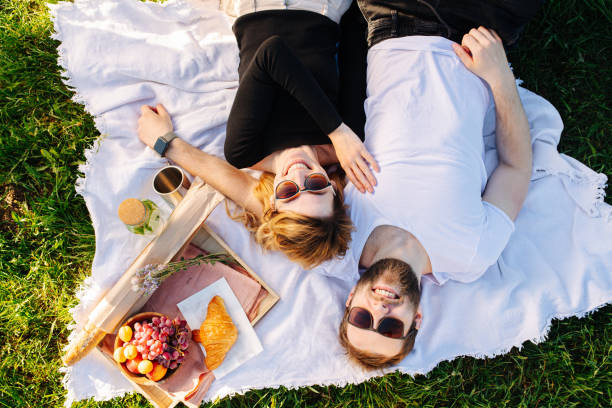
column 160, row 146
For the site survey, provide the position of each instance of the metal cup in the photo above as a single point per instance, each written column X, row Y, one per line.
column 171, row 184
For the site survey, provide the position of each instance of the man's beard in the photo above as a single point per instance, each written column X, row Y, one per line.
column 393, row 272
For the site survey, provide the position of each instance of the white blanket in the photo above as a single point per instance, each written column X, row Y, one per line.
column 120, row 54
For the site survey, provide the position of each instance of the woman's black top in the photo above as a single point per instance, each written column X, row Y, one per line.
column 289, row 85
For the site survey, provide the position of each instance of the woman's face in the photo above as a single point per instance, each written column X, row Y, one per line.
column 296, row 164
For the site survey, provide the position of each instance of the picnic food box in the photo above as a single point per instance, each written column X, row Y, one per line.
column 185, row 227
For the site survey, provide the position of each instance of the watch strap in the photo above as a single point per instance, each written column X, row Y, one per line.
column 163, row 142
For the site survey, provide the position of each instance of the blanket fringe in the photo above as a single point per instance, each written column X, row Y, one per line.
column 108, row 394
column 62, row 61
column 543, row 336
column 87, row 291
column 85, row 288
column 90, row 153
column 343, row 382
column 596, row 183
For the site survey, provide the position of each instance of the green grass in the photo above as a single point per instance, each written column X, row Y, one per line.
column 47, row 242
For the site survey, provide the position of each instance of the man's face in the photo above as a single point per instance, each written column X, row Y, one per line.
column 383, row 294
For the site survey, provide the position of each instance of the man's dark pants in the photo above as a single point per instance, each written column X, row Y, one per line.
column 447, row 18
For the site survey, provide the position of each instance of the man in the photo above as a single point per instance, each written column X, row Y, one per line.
column 436, row 210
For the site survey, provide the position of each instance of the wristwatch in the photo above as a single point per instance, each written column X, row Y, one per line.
column 162, row 143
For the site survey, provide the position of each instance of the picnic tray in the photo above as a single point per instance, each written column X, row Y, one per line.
column 185, row 226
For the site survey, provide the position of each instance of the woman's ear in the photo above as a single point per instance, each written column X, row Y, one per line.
column 272, row 203
column 334, row 185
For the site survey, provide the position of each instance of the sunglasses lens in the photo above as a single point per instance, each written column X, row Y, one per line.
column 315, row 182
column 360, row 318
column 391, row 327
column 286, row 189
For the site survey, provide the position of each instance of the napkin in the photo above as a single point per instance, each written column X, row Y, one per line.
column 246, row 346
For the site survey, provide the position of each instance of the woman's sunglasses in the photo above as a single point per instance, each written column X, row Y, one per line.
column 387, row 326
column 288, row 189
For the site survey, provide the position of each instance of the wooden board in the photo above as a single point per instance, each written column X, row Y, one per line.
column 123, row 299
column 208, row 240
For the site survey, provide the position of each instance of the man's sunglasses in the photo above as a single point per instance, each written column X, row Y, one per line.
column 315, row 182
column 387, row 326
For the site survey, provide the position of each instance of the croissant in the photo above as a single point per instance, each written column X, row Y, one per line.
column 217, row 333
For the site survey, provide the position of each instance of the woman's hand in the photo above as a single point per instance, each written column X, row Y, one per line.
column 482, row 52
column 354, row 158
column 153, row 123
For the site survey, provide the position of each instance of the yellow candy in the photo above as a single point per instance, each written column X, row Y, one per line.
column 118, row 355
column 145, row 367
column 130, row 351
column 125, row 333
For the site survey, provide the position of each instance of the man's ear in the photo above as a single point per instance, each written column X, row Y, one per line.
column 418, row 318
column 350, row 296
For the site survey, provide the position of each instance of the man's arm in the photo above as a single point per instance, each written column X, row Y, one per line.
column 221, row 175
column 508, row 184
column 482, row 53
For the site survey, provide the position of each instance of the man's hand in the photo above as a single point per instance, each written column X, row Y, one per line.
column 153, row 123
column 354, row 158
column 482, row 52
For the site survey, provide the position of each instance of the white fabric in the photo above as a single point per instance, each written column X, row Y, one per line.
column 119, row 54
column 195, row 309
column 334, row 9
column 429, row 144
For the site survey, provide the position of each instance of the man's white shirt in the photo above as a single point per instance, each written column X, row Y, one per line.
column 425, row 116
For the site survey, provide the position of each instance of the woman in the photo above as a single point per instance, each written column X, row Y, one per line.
column 282, row 121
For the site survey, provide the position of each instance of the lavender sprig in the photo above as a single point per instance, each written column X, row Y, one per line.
column 150, row 276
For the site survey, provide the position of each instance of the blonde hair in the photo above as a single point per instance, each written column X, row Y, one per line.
column 305, row 240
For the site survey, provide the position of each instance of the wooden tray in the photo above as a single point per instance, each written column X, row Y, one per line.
column 209, row 241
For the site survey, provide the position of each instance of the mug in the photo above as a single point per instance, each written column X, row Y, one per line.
column 171, row 183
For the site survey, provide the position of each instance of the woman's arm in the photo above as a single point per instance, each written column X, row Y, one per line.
column 275, row 68
column 222, row 176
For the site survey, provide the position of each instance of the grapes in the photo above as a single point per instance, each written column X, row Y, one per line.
column 158, row 340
